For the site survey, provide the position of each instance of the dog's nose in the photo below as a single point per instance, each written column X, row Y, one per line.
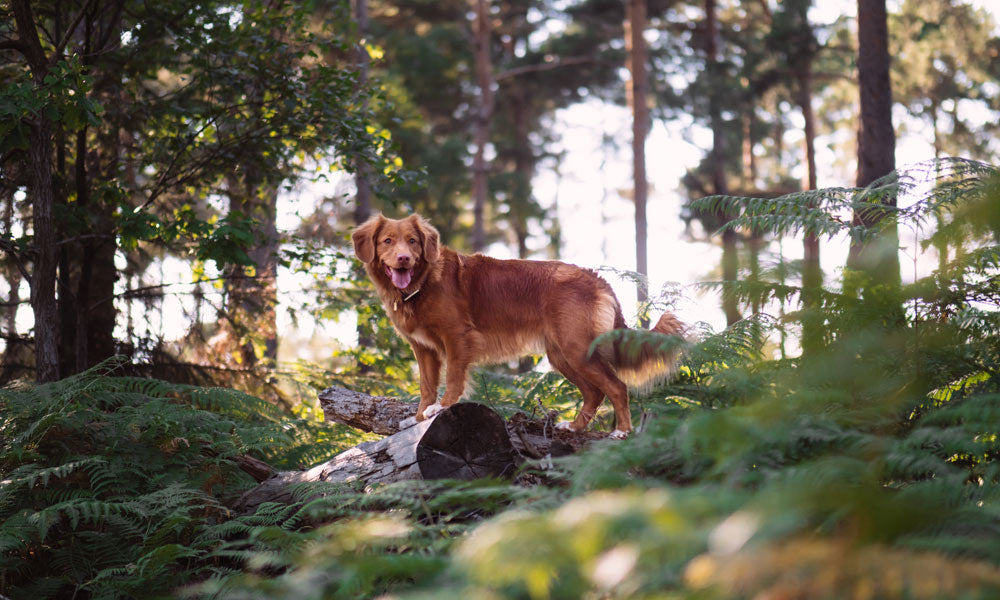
column 403, row 259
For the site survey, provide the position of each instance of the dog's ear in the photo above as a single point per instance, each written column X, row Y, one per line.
column 364, row 238
column 432, row 240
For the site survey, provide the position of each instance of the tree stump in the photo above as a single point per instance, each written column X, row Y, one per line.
column 466, row 441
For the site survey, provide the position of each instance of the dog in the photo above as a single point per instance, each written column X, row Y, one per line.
column 457, row 310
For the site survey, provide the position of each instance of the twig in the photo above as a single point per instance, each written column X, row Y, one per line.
column 574, row 60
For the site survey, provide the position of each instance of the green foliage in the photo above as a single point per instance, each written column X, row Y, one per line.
column 385, row 540
column 61, row 97
column 112, row 486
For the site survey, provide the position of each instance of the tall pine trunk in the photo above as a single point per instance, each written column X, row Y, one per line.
column 87, row 264
column 638, row 92
column 484, row 116
column 43, row 277
column 730, row 259
column 253, row 295
column 878, row 257
column 812, row 273
column 363, row 194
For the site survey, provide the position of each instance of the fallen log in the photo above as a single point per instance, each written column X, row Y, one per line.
column 375, row 414
column 532, row 438
column 466, row 441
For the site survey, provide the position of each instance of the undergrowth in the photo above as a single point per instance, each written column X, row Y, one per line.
column 866, row 469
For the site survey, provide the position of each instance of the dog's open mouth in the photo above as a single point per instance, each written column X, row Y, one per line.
column 400, row 277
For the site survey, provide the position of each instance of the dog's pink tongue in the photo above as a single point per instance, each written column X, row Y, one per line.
column 401, row 279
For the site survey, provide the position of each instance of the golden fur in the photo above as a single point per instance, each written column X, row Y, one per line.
column 457, row 310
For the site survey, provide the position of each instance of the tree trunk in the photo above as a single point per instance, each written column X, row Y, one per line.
column 730, row 259
column 637, row 92
column 812, row 274
column 749, row 160
column 877, row 140
column 43, row 278
column 484, row 116
column 521, row 203
column 879, row 257
column 253, row 297
column 363, row 195
column 87, row 267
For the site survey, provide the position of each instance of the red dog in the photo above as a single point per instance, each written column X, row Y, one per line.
column 456, row 310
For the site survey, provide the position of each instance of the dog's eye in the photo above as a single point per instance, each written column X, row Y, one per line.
column 413, row 240
column 388, row 240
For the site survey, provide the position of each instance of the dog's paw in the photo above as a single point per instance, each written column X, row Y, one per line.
column 565, row 425
column 407, row 423
column 617, row 434
column 432, row 410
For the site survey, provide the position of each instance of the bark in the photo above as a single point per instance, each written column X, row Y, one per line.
column 525, row 161
column 730, row 261
column 941, row 243
column 363, row 196
column 253, row 297
column 812, row 274
column 43, row 278
column 99, row 271
column 524, row 167
column 638, row 91
column 97, row 321
column 87, row 267
column 484, row 116
column 749, row 160
column 877, row 140
column 879, row 257
column 374, row 414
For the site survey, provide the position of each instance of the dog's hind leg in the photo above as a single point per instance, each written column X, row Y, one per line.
column 592, row 395
column 602, row 377
column 594, row 373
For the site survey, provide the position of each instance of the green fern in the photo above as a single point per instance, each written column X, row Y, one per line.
column 110, row 483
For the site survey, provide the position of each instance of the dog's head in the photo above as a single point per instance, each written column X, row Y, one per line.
column 398, row 249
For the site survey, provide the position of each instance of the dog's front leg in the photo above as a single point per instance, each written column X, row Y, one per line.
column 457, row 361
column 429, row 363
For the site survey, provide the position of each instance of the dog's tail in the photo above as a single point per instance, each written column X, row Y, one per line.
column 643, row 360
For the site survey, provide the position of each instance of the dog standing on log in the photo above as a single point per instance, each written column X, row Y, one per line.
column 457, row 310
